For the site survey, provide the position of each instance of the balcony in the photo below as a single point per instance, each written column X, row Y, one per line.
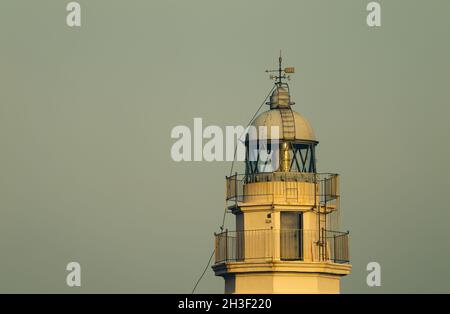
column 282, row 245
column 312, row 189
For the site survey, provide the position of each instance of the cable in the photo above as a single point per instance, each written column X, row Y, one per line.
column 204, row 272
column 231, row 172
column 251, row 120
column 235, row 149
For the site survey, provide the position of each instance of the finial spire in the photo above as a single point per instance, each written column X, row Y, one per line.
column 280, row 60
column 281, row 72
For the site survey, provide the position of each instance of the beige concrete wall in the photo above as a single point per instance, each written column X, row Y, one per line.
column 257, row 220
column 281, row 192
column 282, row 283
column 304, row 276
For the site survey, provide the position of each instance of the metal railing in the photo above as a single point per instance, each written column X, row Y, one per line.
column 319, row 187
column 337, row 245
column 284, row 245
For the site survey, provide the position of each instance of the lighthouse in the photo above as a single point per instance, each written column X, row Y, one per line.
column 286, row 237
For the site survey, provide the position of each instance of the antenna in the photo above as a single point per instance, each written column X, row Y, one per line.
column 281, row 72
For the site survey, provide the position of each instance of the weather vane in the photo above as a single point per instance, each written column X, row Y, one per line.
column 281, row 72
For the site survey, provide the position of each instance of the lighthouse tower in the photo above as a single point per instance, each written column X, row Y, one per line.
column 286, row 237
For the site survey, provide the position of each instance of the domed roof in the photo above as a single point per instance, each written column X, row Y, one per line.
column 292, row 125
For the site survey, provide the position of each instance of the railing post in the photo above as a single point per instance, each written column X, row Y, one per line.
column 322, row 244
column 334, row 248
column 226, row 245
column 236, row 188
column 347, row 253
column 215, row 247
